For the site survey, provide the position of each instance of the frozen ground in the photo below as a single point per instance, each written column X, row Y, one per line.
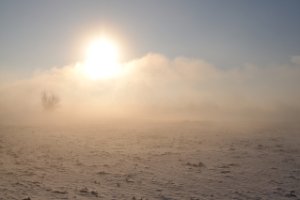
column 155, row 161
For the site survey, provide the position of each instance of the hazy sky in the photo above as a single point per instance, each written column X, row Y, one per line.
column 42, row 34
column 210, row 60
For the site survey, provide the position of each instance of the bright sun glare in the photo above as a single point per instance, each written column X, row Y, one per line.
column 102, row 59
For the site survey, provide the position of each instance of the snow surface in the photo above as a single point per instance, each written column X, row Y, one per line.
column 183, row 160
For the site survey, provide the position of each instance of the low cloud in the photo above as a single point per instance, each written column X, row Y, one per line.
column 156, row 87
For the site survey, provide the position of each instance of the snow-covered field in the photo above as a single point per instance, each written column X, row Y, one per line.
column 183, row 160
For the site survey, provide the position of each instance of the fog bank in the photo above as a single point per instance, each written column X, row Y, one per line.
column 155, row 87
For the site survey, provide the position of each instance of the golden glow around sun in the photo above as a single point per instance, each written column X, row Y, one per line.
column 102, row 59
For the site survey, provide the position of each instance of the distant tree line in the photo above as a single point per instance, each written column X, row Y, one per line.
column 49, row 100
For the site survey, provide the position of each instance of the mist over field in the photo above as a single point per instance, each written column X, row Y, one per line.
column 149, row 100
column 156, row 87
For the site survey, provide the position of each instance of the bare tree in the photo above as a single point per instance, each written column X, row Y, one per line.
column 49, row 100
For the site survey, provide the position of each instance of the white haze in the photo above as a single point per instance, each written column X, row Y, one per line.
column 156, row 87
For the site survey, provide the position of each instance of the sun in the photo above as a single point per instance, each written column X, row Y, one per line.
column 102, row 59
